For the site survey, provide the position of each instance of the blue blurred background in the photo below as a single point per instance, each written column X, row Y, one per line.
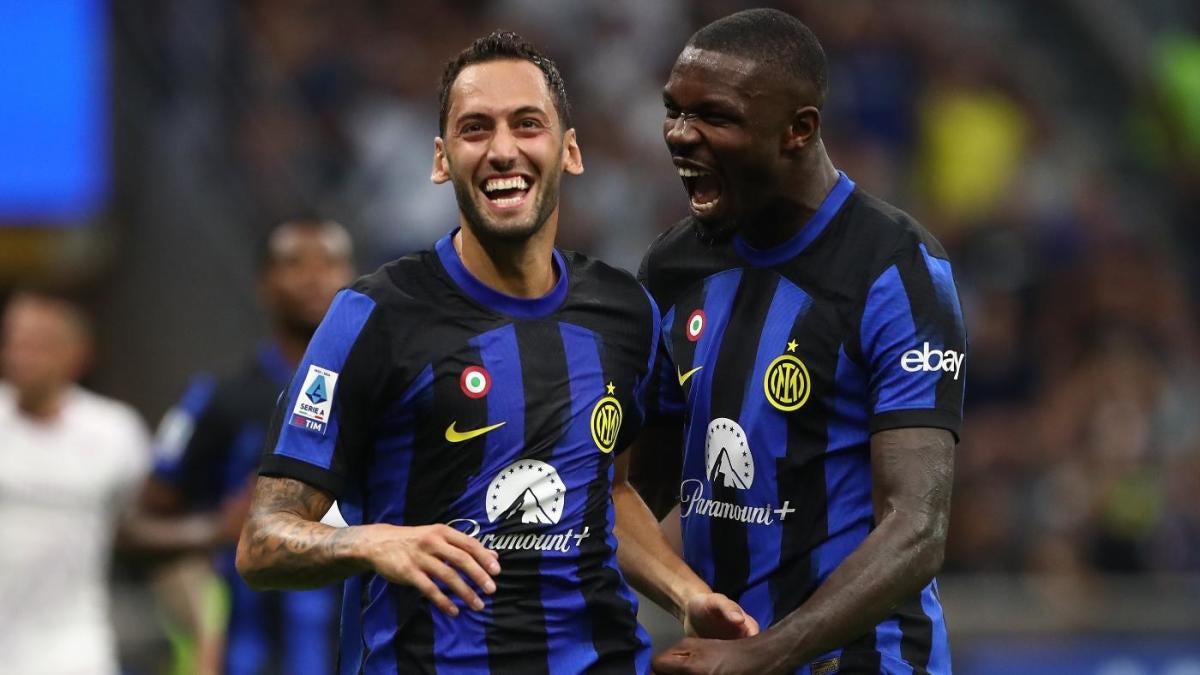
column 1053, row 146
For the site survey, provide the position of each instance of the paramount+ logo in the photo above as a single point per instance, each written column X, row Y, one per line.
column 928, row 360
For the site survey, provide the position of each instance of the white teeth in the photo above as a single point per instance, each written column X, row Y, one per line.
column 508, row 201
column 514, row 183
column 691, row 173
column 706, row 206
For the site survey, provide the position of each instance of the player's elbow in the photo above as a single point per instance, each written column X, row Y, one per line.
column 929, row 546
column 250, row 565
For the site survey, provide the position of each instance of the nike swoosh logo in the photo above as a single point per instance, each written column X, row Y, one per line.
column 455, row 436
column 684, row 377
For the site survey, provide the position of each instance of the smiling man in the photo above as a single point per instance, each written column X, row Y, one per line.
column 813, row 356
column 468, row 407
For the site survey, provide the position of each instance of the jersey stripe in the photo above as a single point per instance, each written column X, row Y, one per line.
column 729, row 385
column 611, row 603
column 801, row 473
column 947, row 312
column 531, row 354
column 939, row 653
column 390, row 463
column 887, row 330
column 718, row 298
column 571, row 647
column 916, row 631
column 307, row 617
column 767, row 429
column 350, row 641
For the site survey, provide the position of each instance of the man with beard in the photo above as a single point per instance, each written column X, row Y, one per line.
column 813, row 359
column 207, row 452
column 468, row 407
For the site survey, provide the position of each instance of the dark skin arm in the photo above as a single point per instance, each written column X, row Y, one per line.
column 285, row 546
column 911, row 472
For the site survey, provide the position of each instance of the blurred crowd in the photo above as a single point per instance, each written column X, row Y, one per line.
column 1060, row 190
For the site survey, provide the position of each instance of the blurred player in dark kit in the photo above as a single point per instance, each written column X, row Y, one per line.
column 208, row 449
column 814, row 358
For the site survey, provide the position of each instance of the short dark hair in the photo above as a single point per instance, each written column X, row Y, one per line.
column 773, row 38
column 264, row 251
column 498, row 46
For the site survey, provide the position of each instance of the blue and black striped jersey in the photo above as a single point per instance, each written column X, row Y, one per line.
column 782, row 363
column 208, row 449
column 427, row 397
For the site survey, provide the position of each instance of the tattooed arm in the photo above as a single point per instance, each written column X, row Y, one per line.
column 284, row 546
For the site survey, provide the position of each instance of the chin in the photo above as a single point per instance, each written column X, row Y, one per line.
column 715, row 229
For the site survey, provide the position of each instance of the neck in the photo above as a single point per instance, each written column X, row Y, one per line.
column 803, row 193
column 42, row 405
column 292, row 346
column 523, row 269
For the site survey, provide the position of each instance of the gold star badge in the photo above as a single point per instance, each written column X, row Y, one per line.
column 611, row 389
column 792, row 345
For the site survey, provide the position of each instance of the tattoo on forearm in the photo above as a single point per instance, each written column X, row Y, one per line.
column 285, row 544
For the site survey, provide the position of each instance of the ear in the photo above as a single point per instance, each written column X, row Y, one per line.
column 441, row 165
column 804, row 129
column 572, row 157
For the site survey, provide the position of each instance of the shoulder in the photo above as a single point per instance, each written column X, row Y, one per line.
column 680, row 258
column 675, row 241
column 109, row 416
column 594, row 280
column 886, row 231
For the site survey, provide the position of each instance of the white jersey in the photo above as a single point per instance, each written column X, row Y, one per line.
column 63, row 484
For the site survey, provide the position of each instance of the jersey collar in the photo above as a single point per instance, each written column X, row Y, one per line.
column 522, row 308
column 789, row 249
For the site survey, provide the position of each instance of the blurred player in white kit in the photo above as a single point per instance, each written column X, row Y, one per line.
column 70, row 462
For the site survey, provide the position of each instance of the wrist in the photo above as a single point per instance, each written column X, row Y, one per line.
column 359, row 546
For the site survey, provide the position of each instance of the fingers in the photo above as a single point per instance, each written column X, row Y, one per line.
column 469, row 566
column 750, row 627
column 430, row 590
column 485, row 557
column 455, row 583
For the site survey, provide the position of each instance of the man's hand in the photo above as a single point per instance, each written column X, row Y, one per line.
column 696, row 656
column 713, row 615
column 421, row 556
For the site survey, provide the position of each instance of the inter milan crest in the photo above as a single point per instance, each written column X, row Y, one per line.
column 786, row 382
column 606, row 421
column 475, row 382
column 695, row 325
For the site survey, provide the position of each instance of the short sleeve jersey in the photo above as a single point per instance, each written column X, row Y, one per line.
column 781, row 363
column 427, row 397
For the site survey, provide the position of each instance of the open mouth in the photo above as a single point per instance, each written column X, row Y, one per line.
column 703, row 187
column 506, row 191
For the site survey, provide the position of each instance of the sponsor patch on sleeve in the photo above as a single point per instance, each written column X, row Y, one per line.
column 312, row 407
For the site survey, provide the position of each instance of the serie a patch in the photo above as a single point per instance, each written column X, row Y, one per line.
column 315, row 400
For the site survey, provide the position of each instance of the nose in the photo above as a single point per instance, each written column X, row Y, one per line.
column 502, row 152
column 680, row 132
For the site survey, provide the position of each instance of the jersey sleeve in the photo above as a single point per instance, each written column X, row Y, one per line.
column 645, row 382
column 322, row 421
column 177, row 429
column 194, row 443
column 914, row 343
